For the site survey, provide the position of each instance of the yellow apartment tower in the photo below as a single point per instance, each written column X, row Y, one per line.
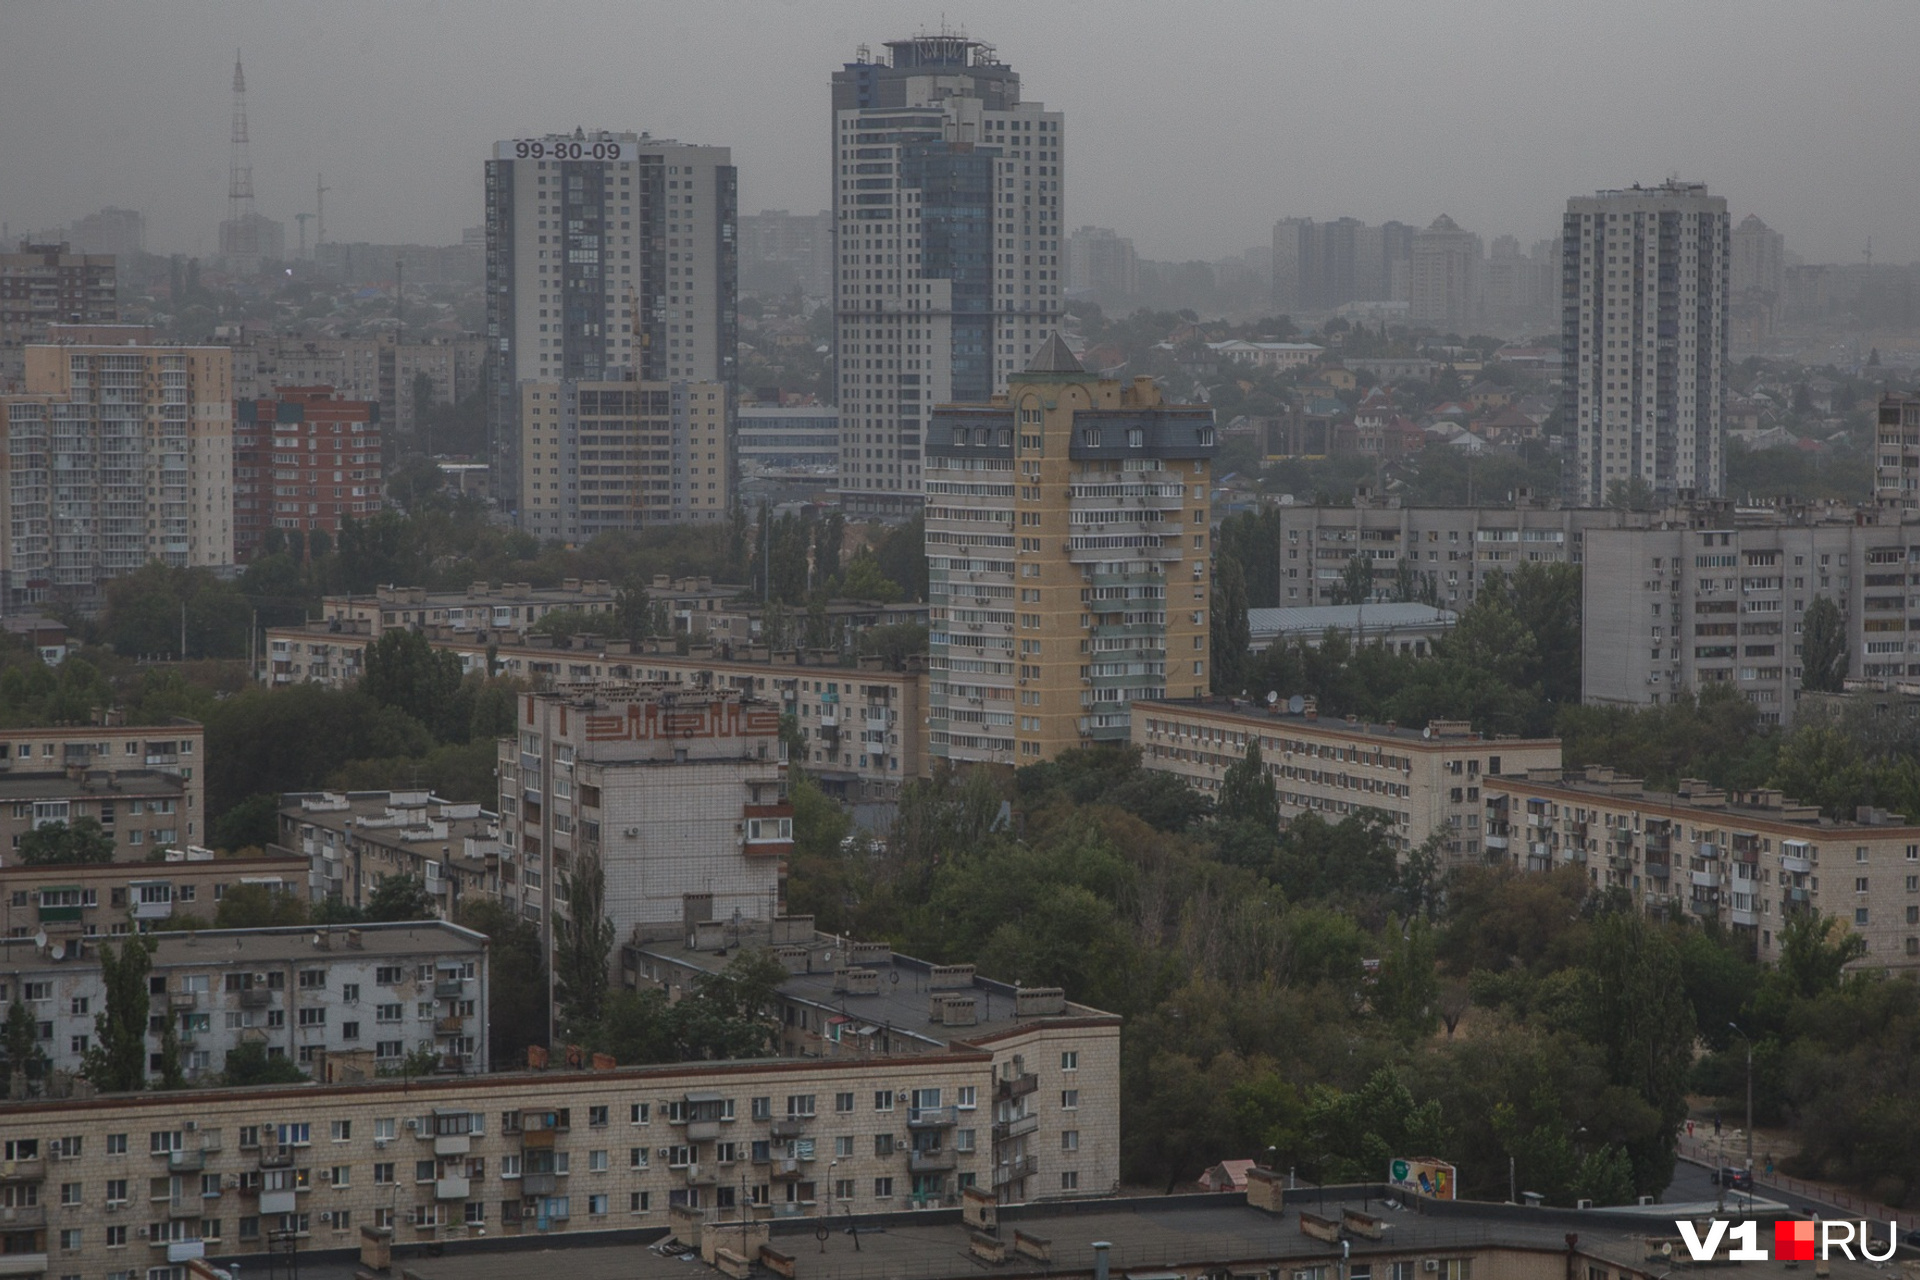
column 1067, row 526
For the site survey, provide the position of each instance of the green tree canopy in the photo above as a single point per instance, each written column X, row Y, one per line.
column 81, row 841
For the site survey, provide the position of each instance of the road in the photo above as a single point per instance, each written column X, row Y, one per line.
column 1693, row 1184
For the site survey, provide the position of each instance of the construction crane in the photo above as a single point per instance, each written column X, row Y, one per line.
column 302, row 218
column 320, row 189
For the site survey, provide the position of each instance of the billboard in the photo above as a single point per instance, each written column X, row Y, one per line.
column 1422, row 1176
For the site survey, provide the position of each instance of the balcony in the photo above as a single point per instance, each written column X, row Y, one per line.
column 1012, row 1170
column 449, row 989
column 538, row 1184
column 537, row 1140
column 703, row 1130
column 790, row 1169
column 60, row 915
column 1704, row 879
column 451, row 1188
column 1795, row 865
column 1018, row 1127
column 184, row 1000
column 1620, row 862
column 701, row 1175
column 33, row 1169
column 23, row 1264
column 23, row 1217
column 1658, row 870
column 933, row 1160
column 452, row 1144
column 186, row 1161
column 1009, row 1087
column 1496, row 842
column 285, row 1200
column 256, row 998
column 932, row 1117
column 790, row 1126
column 273, row 1157
column 185, row 1207
column 153, row 910
column 449, row 1026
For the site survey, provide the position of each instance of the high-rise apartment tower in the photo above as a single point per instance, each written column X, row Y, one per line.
column 1067, row 526
column 948, row 258
column 609, row 255
column 1644, row 339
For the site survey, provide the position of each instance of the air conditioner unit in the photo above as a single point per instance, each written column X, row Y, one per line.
column 664, row 1152
column 53, row 1153
column 413, row 1123
column 141, row 1232
column 190, row 1126
column 233, row 1182
column 260, row 979
column 380, row 1144
column 1583, row 1204
column 326, row 1217
column 1431, row 1264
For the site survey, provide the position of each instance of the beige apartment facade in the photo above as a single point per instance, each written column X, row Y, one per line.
column 862, row 723
column 1423, row 782
column 143, row 783
column 117, row 455
column 348, row 841
column 1067, row 541
column 112, row 899
column 1749, row 859
column 159, row 1178
column 599, row 456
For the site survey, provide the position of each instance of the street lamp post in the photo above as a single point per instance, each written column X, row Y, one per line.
column 1749, row 1039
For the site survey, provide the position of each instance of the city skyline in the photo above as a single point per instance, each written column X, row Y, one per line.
column 392, row 128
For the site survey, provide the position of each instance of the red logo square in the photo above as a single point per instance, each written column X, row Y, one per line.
column 1793, row 1242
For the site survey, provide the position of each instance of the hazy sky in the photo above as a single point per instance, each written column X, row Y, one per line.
column 1190, row 126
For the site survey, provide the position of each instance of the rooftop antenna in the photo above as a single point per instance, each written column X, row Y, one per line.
column 320, row 189
column 241, row 236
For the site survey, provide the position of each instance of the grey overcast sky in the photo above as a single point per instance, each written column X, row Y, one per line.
column 1191, row 126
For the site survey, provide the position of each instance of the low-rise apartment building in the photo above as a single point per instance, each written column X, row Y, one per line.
column 862, row 721
column 142, row 783
column 350, row 840
column 680, row 795
column 299, row 992
column 510, row 605
column 1896, row 471
column 1424, row 782
column 110, row 899
column 1048, row 1116
column 127, row 1182
column 1718, row 595
column 1749, row 859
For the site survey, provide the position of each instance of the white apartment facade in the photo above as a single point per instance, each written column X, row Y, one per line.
column 1644, row 276
column 300, row 992
column 949, row 266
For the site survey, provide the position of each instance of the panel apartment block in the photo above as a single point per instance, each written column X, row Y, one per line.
column 1721, row 598
column 1456, row 547
column 112, row 899
column 949, row 270
column 143, row 783
column 351, row 840
column 1896, row 470
column 680, row 794
column 305, row 460
column 606, row 252
column 169, row 1176
column 861, row 722
column 1422, row 782
column 387, row 989
column 599, row 456
column 1643, row 339
column 1067, row 526
column 1748, row 859
column 42, row 285
column 117, row 455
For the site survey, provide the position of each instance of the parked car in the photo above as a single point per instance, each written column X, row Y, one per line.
column 1733, row 1178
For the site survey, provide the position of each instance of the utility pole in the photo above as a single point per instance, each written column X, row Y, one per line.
column 183, row 631
column 1749, row 1039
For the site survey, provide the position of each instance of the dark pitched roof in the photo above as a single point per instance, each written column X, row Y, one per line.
column 1055, row 357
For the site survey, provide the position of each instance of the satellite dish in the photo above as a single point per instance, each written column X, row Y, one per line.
column 1296, row 704
column 1272, row 697
column 1427, row 732
column 59, row 951
column 40, row 938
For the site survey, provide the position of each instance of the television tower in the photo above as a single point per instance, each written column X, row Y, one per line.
column 238, row 235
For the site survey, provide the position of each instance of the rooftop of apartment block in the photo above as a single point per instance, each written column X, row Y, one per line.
column 1302, row 713
column 1145, row 1237
column 58, row 784
column 1694, row 797
column 571, row 591
column 866, row 986
column 390, row 817
column 316, row 944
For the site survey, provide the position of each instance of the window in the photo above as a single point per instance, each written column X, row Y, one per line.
column 423, row 1170
column 883, row 1144
column 342, row 1130
column 883, row 1100
column 843, row 1146
column 883, row 1188
column 116, row 1144
column 340, row 1175
column 596, row 1162
column 383, row 1174
column 476, row 1213
column 763, row 1108
column 799, row 1104
column 843, row 1102
column 1069, row 1139
column 1070, row 1180
column 636, row 1157
column 383, row 1129
column 963, row 1139
column 69, row 1193
column 295, row 1135
column 639, row 1113
column 1069, row 1099
column 639, row 1201
column 117, row 1239
column 967, row 1099
column 597, row 1117
column 597, row 1205
column 313, row 979
column 116, row 1191
column 1070, row 1060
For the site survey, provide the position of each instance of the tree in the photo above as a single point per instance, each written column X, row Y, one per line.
column 1230, row 636
column 248, row 1063
column 117, row 1060
column 404, row 671
column 1246, row 792
column 1631, row 494
column 259, row 906
column 866, row 581
column 586, row 941
column 1356, row 581
column 1637, row 1011
column 517, row 1009
column 253, row 823
column 1824, row 651
column 399, row 897
column 171, row 1075
column 82, row 841
column 24, row 1063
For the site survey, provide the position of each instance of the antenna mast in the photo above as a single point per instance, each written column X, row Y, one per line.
column 240, row 236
